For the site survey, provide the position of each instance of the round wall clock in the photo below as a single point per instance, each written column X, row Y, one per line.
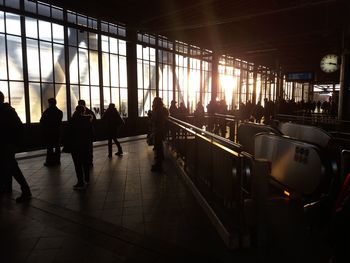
column 329, row 63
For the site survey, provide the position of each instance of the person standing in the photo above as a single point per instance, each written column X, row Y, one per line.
column 51, row 121
column 77, row 140
column 11, row 126
column 160, row 116
column 92, row 123
column 113, row 122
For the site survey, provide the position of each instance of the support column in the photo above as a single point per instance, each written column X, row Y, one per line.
column 131, row 60
column 255, row 74
column 215, row 76
column 344, row 93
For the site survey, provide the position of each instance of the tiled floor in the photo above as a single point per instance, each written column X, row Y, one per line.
column 126, row 214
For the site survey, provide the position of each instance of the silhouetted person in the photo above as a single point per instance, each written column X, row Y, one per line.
column 258, row 112
column 77, row 140
column 173, row 110
column 113, row 123
column 10, row 130
column 159, row 128
column 182, row 111
column 51, row 121
column 199, row 115
column 92, row 123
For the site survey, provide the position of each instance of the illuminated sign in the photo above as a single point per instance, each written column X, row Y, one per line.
column 300, row 76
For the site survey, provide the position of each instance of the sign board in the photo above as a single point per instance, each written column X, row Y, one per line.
column 300, row 76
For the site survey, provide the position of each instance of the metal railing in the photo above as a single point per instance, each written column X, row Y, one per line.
column 219, row 170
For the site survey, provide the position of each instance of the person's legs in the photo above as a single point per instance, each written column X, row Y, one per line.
column 49, row 155
column 85, row 166
column 159, row 154
column 78, row 168
column 16, row 172
column 110, row 147
column 120, row 149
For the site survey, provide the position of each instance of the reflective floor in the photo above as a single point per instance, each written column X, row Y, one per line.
column 129, row 214
column 126, row 214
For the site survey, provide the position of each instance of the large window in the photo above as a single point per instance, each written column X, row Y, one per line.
column 11, row 62
column 114, row 73
column 165, row 70
column 46, row 66
column 146, row 78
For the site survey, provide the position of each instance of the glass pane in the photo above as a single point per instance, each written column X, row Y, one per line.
column 57, row 13
column 72, row 37
column 106, row 97
column 115, row 98
column 104, row 43
column 124, row 102
column 95, row 103
column 30, row 6
column 74, row 94
column 17, row 99
column 13, row 3
column 123, row 72
column 45, row 30
column 47, row 92
column 13, row 24
column 57, row 33
column 59, row 65
column 3, row 64
column 46, row 62
column 61, row 97
column 82, row 39
column 15, row 62
column 33, row 60
column 82, row 20
column 94, row 76
column 71, row 17
column 43, row 9
column 35, row 102
column 105, row 69
column 114, row 71
column 122, row 47
column 93, row 41
column 4, row 89
column 85, row 95
column 113, row 45
column 2, row 22
column 31, row 28
column 83, row 66
column 73, row 66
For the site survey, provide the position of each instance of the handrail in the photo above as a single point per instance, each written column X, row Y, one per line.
column 213, row 137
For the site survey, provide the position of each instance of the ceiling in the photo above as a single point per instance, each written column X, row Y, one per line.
column 293, row 34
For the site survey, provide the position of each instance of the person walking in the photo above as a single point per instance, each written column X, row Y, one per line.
column 51, row 121
column 89, row 112
column 77, row 141
column 160, row 116
column 113, row 122
column 11, row 126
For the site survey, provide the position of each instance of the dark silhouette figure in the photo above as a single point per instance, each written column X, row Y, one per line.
column 51, row 121
column 182, row 111
column 10, row 130
column 159, row 129
column 77, row 141
column 258, row 112
column 199, row 115
column 173, row 110
column 89, row 112
column 211, row 109
column 113, row 122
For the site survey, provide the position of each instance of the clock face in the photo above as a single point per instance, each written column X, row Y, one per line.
column 329, row 63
